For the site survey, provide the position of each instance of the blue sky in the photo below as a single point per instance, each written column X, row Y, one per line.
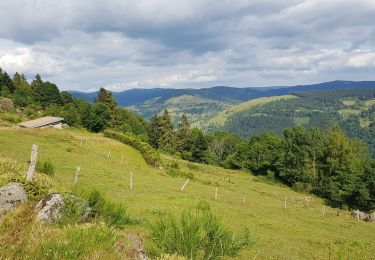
column 123, row 44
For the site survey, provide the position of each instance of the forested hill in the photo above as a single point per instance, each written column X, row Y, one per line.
column 221, row 93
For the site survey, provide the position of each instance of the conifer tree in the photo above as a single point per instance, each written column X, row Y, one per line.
column 182, row 133
column 167, row 136
column 105, row 97
column 22, row 94
column 6, row 84
column 153, row 130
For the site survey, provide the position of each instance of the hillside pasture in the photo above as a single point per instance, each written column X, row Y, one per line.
column 281, row 224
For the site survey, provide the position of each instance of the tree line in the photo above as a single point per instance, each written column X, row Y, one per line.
column 325, row 162
column 44, row 98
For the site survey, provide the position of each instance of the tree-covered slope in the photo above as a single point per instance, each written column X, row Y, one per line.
column 352, row 109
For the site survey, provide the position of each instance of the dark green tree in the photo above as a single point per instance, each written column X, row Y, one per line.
column 197, row 146
column 66, row 97
column 105, row 97
column 182, row 133
column 167, row 136
column 302, row 149
column 46, row 94
column 264, row 153
column 6, row 84
column 97, row 118
column 22, row 95
column 153, row 131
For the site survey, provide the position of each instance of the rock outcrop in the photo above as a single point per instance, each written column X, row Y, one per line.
column 11, row 195
column 359, row 215
column 53, row 207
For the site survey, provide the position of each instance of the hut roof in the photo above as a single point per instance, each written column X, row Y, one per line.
column 43, row 121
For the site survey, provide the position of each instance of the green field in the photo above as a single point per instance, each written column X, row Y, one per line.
column 295, row 233
column 222, row 116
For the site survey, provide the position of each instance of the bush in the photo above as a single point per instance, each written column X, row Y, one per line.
column 178, row 173
column 10, row 117
column 302, row 187
column 113, row 214
column 45, row 167
column 11, row 171
column 74, row 209
column 197, row 234
column 150, row 154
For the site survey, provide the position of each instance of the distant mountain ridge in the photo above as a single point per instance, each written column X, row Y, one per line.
column 220, row 93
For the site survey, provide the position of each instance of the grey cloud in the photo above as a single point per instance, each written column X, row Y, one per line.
column 85, row 44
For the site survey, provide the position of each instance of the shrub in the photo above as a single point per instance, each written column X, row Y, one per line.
column 74, row 208
column 113, row 214
column 150, row 154
column 178, row 173
column 10, row 117
column 302, row 187
column 196, row 234
column 270, row 176
column 11, row 171
column 45, row 167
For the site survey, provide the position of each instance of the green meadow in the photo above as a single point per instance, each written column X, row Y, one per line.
column 281, row 225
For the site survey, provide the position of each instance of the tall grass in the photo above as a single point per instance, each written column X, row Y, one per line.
column 11, row 171
column 79, row 243
column 112, row 213
column 196, row 234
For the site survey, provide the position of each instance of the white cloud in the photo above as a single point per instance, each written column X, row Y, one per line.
column 125, row 44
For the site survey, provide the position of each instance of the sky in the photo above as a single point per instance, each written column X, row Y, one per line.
column 123, row 44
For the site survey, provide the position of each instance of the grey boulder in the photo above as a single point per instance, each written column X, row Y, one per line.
column 56, row 206
column 11, row 195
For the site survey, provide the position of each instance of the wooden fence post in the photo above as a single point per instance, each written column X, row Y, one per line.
column 186, row 183
column 216, row 190
column 122, row 159
column 109, row 154
column 324, row 210
column 244, row 198
column 77, row 174
column 34, row 156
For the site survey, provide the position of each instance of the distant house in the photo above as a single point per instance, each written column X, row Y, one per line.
column 43, row 122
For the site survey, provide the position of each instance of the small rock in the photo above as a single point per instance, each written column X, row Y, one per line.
column 137, row 250
column 371, row 217
column 51, row 208
column 11, row 195
column 357, row 214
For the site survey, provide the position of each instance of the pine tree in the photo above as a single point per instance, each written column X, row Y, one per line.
column 37, row 82
column 105, row 97
column 22, row 95
column 6, row 84
column 167, row 136
column 182, row 133
column 153, row 131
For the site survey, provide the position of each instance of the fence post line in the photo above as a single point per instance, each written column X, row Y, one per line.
column 216, row 190
column 244, row 198
column 77, row 174
column 186, row 183
column 34, row 156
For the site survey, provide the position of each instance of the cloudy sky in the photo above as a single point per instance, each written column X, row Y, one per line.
column 123, row 44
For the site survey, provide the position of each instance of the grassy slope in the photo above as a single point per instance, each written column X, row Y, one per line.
column 222, row 116
column 293, row 234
